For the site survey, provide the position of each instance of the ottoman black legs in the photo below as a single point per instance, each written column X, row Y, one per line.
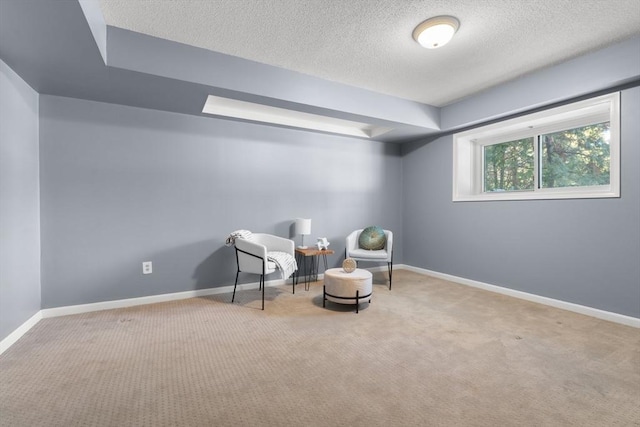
column 357, row 300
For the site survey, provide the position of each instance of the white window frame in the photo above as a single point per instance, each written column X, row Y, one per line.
column 468, row 146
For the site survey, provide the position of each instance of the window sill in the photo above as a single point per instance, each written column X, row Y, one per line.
column 586, row 193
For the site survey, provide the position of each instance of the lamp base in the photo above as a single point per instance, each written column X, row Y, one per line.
column 302, row 246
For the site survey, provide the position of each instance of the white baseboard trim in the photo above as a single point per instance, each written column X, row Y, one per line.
column 152, row 299
column 19, row 332
column 576, row 308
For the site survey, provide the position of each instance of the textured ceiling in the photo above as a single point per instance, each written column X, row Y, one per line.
column 368, row 44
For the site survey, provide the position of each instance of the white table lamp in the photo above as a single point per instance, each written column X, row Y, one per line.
column 303, row 227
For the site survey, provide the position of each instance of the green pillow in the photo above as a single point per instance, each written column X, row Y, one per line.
column 372, row 238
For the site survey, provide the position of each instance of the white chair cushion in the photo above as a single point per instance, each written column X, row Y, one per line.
column 363, row 253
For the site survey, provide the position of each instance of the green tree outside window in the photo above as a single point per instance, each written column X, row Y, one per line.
column 576, row 157
column 509, row 166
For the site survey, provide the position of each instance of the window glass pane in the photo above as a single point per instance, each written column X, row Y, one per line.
column 575, row 157
column 509, row 166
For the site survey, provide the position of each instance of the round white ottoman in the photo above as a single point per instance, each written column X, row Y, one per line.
column 347, row 288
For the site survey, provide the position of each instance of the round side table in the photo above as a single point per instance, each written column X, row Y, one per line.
column 347, row 288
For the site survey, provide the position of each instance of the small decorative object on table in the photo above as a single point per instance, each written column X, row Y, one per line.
column 349, row 265
column 323, row 244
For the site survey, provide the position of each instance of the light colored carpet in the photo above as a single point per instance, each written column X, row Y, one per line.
column 427, row 353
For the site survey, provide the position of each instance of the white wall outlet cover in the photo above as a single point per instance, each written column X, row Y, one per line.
column 147, row 267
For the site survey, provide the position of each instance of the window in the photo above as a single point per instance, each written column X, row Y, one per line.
column 508, row 166
column 576, row 157
column 565, row 152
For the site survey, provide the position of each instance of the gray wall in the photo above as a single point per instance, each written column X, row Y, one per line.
column 19, row 202
column 122, row 185
column 581, row 251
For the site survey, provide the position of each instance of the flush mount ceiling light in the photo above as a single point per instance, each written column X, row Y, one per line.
column 237, row 109
column 436, row 32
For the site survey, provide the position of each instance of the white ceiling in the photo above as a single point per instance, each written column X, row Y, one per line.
column 368, row 43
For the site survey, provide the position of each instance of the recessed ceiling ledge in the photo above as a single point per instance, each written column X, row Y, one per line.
column 237, row 109
column 146, row 54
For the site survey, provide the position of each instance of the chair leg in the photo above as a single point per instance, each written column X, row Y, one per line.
column 234, row 287
column 324, row 296
column 390, row 266
column 262, row 282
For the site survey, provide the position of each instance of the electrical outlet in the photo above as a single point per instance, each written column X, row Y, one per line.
column 147, row 267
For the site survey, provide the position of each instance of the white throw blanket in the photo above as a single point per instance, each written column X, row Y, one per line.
column 238, row 234
column 286, row 263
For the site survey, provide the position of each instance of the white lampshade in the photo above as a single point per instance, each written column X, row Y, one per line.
column 303, row 226
column 436, row 32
